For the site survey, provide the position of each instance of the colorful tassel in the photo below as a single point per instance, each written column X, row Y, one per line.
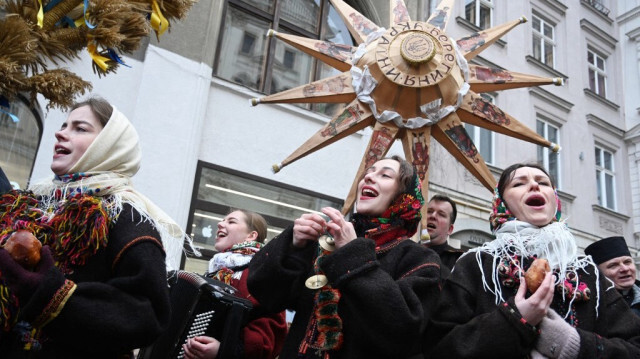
column 81, row 227
column 75, row 231
column 8, row 308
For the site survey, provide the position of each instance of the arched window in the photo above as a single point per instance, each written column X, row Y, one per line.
column 19, row 141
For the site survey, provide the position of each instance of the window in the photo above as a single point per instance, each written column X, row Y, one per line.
column 543, row 41
column 605, row 177
column 433, row 5
column 247, row 43
column 335, row 31
column 549, row 159
column 19, row 141
column 266, row 64
column 218, row 190
column 479, row 13
column 597, row 73
column 289, row 59
column 482, row 138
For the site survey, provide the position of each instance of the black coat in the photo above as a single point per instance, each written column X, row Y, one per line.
column 469, row 324
column 120, row 302
column 387, row 293
column 632, row 298
column 448, row 255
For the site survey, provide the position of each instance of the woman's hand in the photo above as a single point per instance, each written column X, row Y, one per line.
column 340, row 229
column 24, row 282
column 307, row 228
column 201, row 348
column 534, row 308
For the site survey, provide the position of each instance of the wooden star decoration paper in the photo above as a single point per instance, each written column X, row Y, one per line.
column 410, row 82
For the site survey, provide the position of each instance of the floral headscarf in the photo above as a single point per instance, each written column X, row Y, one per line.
column 400, row 220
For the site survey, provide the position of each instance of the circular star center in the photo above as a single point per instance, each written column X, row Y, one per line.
column 417, row 48
column 415, row 54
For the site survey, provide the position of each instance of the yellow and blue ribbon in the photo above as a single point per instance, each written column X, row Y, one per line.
column 100, row 60
column 114, row 56
column 86, row 21
column 66, row 19
column 158, row 22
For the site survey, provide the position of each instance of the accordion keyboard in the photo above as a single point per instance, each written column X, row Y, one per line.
column 200, row 306
column 198, row 327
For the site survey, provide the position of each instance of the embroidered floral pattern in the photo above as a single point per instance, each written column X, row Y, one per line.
column 509, row 271
column 573, row 286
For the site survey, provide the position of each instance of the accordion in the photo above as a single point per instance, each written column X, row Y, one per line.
column 201, row 306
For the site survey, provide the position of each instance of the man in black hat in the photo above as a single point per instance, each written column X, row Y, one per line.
column 614, row 260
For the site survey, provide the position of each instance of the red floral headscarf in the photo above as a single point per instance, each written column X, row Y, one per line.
column 400, row 220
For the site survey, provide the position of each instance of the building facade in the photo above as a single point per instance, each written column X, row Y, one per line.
column 629, row 34
column 206, row 149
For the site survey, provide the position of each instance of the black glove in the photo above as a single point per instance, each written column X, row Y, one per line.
column 21, row 281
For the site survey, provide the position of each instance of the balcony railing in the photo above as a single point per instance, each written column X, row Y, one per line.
column 598, row 5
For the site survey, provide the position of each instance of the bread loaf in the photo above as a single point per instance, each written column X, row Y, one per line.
column 535, row 274
column 24, row 247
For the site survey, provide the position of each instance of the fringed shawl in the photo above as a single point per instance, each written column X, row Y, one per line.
column 105, row 171
column 516, row 241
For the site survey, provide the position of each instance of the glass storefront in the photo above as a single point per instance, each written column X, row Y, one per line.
column 219, row 190
column 19, row 141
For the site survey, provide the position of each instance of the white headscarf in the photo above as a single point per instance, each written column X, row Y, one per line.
column 110, row 162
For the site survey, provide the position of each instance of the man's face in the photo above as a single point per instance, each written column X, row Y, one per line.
column 621, row 270
column 439, row 221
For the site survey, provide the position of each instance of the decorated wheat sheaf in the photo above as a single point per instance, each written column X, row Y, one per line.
column 36, row 35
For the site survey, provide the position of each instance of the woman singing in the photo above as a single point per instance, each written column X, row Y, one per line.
column 240, row 236
column 366, row 291
column 100, row 287
column 486, row 309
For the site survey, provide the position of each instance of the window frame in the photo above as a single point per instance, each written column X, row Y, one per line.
column 538, row 34
column 594, row 67
column 278, row 24
column 546, row 152
column 477, row 5
column 36, row 111
column 601, row 172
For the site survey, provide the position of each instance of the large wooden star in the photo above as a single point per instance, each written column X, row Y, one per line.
column 410, row 82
